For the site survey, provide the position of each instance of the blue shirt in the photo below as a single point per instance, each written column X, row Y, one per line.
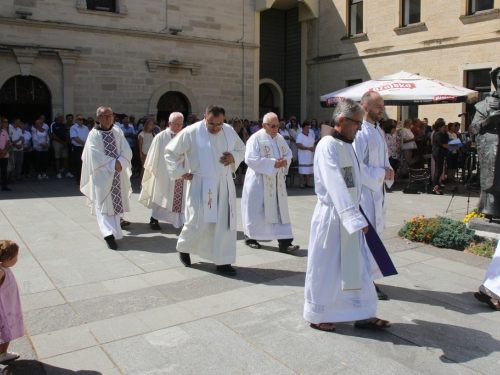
column 129, row 130
column 81, row 132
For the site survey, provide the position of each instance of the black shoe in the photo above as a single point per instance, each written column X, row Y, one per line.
column 309, row 186
column 185, row 259
column 288, row 248
column 110, row 240
column 5, row 188
column 154, row 224
column 381, row 295
column 226, row 269
column 252, row 244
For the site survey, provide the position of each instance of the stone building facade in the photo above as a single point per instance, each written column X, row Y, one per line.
column 250, row 56
column 446, row 40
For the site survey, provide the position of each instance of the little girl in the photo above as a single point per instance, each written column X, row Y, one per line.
column 11, row 316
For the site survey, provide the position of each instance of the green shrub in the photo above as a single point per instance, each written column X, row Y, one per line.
column 438, row 231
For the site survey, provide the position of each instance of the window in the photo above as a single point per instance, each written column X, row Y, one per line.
column 352, row 82
column 102, row 5
column 411, row 12
column 355, row 17
column 480, row 5
column 480, row 81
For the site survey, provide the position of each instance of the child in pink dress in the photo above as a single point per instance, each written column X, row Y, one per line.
column 11, row 316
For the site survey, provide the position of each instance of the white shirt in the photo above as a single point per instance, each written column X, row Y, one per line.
column 77, row 131
column 15, row 134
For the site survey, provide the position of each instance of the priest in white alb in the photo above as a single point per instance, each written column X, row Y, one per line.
column 376, row 170
column 264, row 202
column 489, row 291
column 165, row 196
column 213, row 151
column 340, row 268
column 105, row 179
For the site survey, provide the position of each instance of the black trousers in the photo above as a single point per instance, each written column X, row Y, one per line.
column 286, row 242
column 41, row 160
column 438, row 171
column 4, row 162
column 77, row 158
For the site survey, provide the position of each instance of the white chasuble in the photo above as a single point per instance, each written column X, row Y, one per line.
column 373, row 156
column 162, row 194
column 492, row 278
column 210, row 228
column 264, row 201
column 325, row 300
column 107, row 190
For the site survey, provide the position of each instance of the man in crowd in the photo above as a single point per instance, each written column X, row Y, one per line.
column 264, row 203
column 78, row 133
column 131, row 134
column 376, row 171
column 340, row 268
column 16, row 135
column 214, row 152
column 106, row 174
column 162, row 194
column 59, row 136
column 69, row 123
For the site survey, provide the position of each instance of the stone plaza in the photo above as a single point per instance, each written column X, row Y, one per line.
column 90, row 310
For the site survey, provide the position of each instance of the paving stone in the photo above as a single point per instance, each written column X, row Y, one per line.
column 42, row 299
column 101, row 308
column 67, row 340
column 50, row 319
column 86, row 291
column 87, row 361
column 166, row 316
column 117, row 328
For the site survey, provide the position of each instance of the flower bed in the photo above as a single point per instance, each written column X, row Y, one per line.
column 485, row 248
column 438, row 231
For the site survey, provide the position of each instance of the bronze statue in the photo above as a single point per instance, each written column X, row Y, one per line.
column 486, row 125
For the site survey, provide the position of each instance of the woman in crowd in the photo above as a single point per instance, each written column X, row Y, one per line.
column 440, row 148
column 408, row 146
column 242, row 133
column 28, row 148
column 90, row 123
column 306, row 143
column 294, row 131
column 40, row 149
column 451, row 157
column 4, row 151
column 315, row 129
column 145, row 139
column 393, row 143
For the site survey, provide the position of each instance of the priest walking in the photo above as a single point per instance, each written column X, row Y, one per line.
column 105, row 179
column 213, row 151
column 340, row 267
column 165, row 196
column 376, row 171
column 264, row 203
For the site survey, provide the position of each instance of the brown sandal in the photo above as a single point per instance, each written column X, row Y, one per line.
column 374, row 324
column 318, row 327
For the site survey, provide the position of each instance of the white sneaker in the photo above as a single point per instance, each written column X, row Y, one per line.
column 40, row 177
column 8, row 356
column 69, row 174
column 45, row 176
column 57, row 175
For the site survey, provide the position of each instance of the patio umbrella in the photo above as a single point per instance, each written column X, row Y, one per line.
column 404, row 88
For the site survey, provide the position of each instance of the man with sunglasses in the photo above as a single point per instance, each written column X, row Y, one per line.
column 264, row 203
column 78, row 133
column 376, row 171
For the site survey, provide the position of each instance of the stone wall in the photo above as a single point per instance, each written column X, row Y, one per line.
column 443, row 47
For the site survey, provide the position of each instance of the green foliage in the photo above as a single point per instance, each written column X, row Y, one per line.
column 438, row 231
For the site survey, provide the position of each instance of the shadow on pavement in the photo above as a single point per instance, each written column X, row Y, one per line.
column 32, row 367
column 458, row 344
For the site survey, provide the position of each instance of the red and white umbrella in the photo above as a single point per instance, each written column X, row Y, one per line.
column 404, row 89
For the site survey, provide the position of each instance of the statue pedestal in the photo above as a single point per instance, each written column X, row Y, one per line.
column 480, row 224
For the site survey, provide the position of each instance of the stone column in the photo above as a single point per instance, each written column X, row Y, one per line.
column 68, row 60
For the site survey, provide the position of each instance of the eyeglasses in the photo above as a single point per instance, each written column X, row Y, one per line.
column 272, row 126
column 106, row 116
column 359, row 123
column 214, row 125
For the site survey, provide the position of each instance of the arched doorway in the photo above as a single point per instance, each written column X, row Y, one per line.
column 172, row 101
column 27, row 97
column 270, row 98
